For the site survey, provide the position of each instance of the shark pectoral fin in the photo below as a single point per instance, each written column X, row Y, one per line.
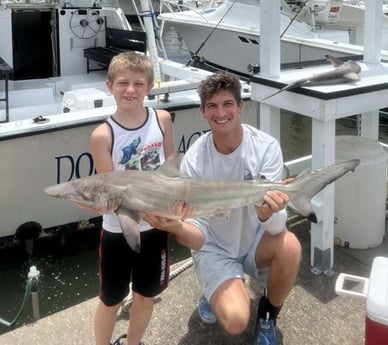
column 302, row 205
column 129, row 222
column 225, row 215
column 352, row 76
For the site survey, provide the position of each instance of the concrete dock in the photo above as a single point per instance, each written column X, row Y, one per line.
column 313, row 314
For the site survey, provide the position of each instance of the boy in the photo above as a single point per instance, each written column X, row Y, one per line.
column 253, row 239
column 134, row 137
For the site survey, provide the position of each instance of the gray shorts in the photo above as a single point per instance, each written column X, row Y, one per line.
column 213, row 269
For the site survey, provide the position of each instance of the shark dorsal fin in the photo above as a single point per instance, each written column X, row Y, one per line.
column 334, row 61
column 171, row 166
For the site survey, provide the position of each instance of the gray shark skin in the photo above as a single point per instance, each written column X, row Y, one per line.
column 131, row 194
column 344, row 72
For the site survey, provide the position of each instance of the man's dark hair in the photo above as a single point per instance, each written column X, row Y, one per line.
column 220, row 81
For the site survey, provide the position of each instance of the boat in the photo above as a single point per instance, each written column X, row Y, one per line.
column 351, row 17
column 214, row 34
column 133, row 8
column 52, row 97
column 361, row 3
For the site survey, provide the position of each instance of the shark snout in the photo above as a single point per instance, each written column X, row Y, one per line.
column 60, row 190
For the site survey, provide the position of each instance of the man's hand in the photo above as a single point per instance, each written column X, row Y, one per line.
column 179, row 211
column 163, row 223
column 274, row 201
column 185, row 233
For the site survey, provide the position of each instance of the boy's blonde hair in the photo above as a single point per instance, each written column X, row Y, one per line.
column 132, row 62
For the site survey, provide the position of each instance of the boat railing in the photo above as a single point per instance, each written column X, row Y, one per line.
column 186, row 5
column 29, row 4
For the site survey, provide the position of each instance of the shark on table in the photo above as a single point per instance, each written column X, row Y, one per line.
column 343, row 72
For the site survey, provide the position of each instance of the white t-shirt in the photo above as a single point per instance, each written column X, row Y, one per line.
column 258, row 156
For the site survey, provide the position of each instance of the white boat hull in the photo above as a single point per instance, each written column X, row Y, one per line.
column 38, row 155
column 73, row 102
column 293, row 50
column 228, row 36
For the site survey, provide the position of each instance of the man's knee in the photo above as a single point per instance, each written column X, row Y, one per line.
column 235, row 325
column 284, row 247
column 292, row 248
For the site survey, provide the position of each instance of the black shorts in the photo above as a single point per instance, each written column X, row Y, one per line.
column 119, row 265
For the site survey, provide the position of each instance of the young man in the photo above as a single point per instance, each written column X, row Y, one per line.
column 253, row 239
column 134, row 137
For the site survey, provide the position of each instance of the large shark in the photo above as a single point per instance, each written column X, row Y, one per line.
column 131, row 194
column 343, row 72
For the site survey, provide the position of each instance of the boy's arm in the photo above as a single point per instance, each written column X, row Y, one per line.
column 100, row 148
column 166, row 124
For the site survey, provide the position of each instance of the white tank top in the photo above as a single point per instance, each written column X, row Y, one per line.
column 138, row 148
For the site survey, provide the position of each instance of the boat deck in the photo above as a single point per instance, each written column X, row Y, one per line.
column 30, row 98
column 313, row 313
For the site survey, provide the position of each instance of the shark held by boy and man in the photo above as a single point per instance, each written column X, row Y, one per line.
column 132, row 193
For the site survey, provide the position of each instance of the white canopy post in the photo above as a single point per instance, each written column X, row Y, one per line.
column 373, row 25
column 270, row 60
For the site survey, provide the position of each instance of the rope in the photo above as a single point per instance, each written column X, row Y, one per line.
column 195, row 55
column 293, row 19
column 181, row 268
column 173, row 274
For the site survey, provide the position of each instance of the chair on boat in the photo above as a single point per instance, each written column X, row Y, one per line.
column 117, row 41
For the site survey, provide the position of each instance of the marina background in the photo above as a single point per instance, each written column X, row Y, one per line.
column 68, row 261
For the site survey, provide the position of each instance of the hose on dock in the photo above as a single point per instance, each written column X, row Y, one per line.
column 31, row 287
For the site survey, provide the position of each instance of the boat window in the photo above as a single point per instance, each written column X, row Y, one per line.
column 243, row 39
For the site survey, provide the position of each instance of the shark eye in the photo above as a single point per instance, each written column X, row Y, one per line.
column 87, row 196
column 90, row 194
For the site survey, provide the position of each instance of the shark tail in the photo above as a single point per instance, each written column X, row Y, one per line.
column 291, row 86
column 305, row 187
column 302, row 205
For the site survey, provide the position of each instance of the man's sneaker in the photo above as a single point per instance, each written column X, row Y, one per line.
column 266, row 332
column 205, row 311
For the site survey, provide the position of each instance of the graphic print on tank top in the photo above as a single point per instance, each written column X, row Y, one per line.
column 129, row 150
column 138, row 157
column 138, row 148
